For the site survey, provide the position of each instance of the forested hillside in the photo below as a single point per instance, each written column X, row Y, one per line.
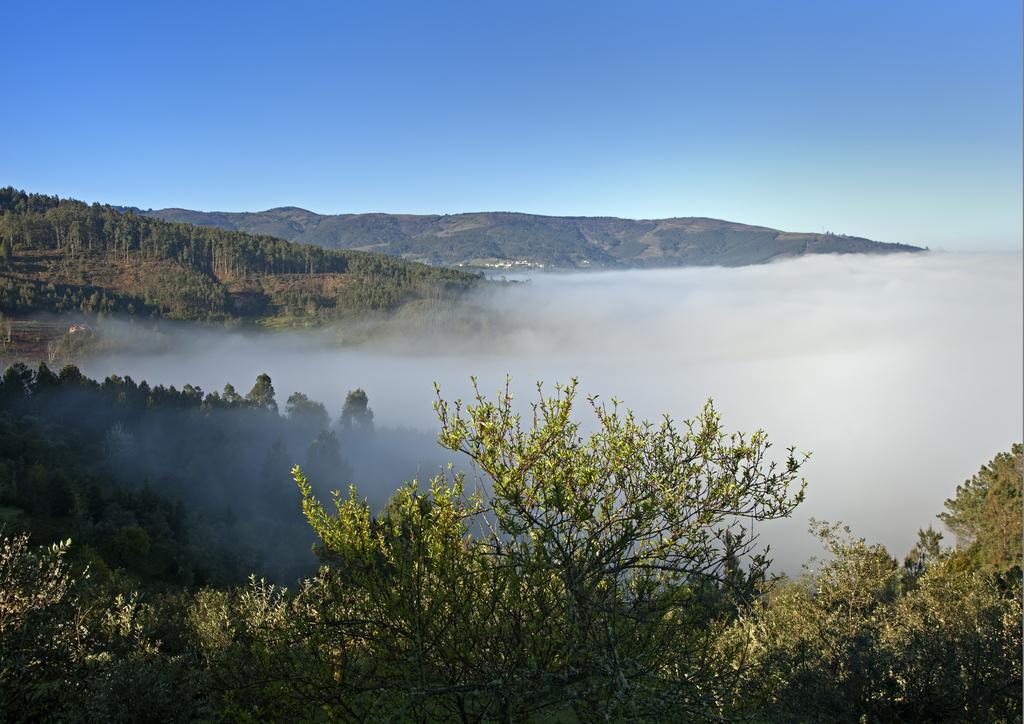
column 612, row 575
column 61, row 255
column 171, row 487
column 528, row 240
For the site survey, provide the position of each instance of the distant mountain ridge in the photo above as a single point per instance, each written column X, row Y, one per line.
column 510, row 239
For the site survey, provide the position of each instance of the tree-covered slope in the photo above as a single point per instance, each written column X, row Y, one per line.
column 493, row 238
column 172, row 487
column 62, row 255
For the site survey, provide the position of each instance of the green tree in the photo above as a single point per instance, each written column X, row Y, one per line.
column 310, row 415
column 582, row 579
column 985, row 514
column 925, row 552
column 230, row 397
column 356, row 415
column 261, row 396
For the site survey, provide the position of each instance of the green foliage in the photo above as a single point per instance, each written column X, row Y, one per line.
column 309, row 414
column 985, row 515
column 185, row 294
column 261, row 396
column 301, row 407
column 926, row 551
column 22, row 296
column 67, row 656
column 584, row 578
column 368, row 295
column 853, row 642
column 356, row 415
column 37, row 630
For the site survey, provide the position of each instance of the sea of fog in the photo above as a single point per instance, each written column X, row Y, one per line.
column 901, row 374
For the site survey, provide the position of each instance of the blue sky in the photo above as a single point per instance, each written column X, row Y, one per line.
column 900, row 121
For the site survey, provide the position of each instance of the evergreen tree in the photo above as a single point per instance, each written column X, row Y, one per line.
column 356, row 415
column 230, row 397
column 261, row 396
column 310, row 415
column 985, row 513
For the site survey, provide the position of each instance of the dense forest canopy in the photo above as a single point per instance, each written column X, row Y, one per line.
column 180, row 486
column 62, row 255
column 603, row 575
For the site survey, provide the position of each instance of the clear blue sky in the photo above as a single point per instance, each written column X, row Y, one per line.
column 899, row 121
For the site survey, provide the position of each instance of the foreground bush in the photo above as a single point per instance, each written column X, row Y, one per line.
column 858, row 640
column 587, row 577
column 69, row 656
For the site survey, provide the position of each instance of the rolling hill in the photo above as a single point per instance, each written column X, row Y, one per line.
column 504, row 239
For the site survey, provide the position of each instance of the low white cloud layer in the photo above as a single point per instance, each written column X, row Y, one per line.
column 901, row 374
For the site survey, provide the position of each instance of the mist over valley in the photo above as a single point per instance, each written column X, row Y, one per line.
column 867, row 362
